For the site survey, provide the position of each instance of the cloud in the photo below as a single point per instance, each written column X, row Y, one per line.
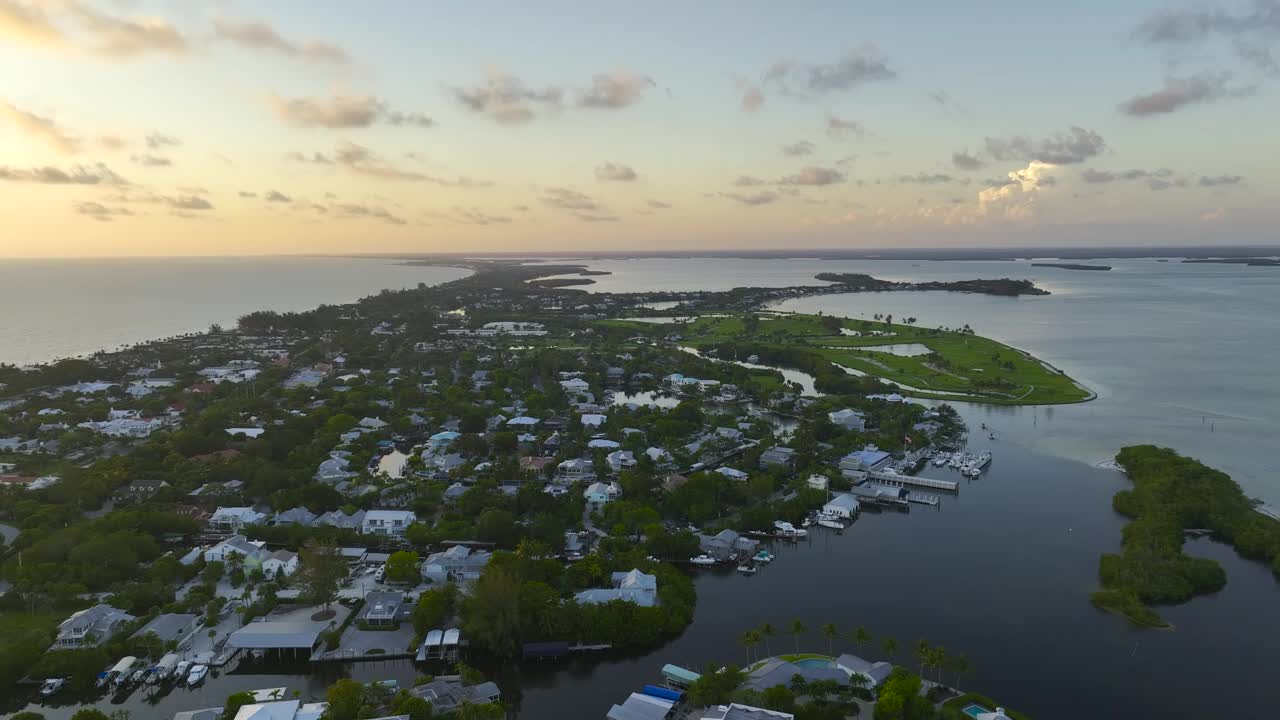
column 813, row 176
column 257, row 35
column 1193, row 25
column 475, row 216
column 1076, row 145
column 1158, row 179
column 926, row 179
column 507, row 100
column 39, row 127
column 1017, row 198
column 27, row 23
column 188, row 202
column 614, row 91
column 359, row 210
column 100, row 212
column 247, row 194
column 840, row 128
column 1178, row 93
column 1213, row 215
column 97, row 174
column 615, row 172
column 763, row 197
column 748, row 181
column 361, row 160
column 592, row 218
column 967, row 161
column 854, row 70
column 341, row 112
column 567, row 199
column 125, row 38
column 274, row 196
column 658, row 205
column 112, row 142
column 155, row 141
column 752, row 99
column 151, row 160
column 1220, row 180
column 803, row 147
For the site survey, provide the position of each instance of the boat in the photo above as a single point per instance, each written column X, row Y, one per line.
column 182, row 670
column 121, row 671
column 164, row 668
column 972, row 471
column 52, row 685
column 764, row 556
column 831, row 521
column 703, row 560
column 753, row 359
column 983, row 460
column 197, row 674
column 747, row 569
column 941, row 459
column 138, row 676
column 104, row 677
column 786, row 529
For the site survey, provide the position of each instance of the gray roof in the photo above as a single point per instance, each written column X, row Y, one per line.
column 735, row 711
column 268, row 635
column 843, row 501
column 640, row 707
column 168, row 626
column 776, row 671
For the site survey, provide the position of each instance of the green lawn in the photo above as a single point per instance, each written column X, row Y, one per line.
column 979, row 369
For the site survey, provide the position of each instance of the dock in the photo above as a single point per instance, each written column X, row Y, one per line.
column 896, row 480
column 922, row 498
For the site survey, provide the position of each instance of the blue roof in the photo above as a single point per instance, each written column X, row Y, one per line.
column 869, row 457
column 446, row 435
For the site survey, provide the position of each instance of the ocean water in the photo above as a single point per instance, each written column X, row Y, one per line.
column 1183, row 355
column 62, row 308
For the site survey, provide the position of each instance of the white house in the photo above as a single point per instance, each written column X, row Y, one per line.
column 842, row 505
column 576, row 469
column 635, row 586
column 593, row 419
column 387, row 522
column 523, row 423
column 732, row 474
column 575, row 385
column 848, row 419
column 818, row 482
column 90, row 627
column 457, row 563
column 280, row 563
column 235, row 519
column 620, row 460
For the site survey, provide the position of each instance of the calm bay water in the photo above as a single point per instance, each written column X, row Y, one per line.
column 62, row 308
column 1179, row 354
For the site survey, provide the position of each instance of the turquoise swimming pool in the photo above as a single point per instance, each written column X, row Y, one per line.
column 973, row 710
column 814, row 663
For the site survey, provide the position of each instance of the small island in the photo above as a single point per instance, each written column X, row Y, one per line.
column 1173, row 496
column 860, row 282
column 1072, row 266
column 561, row 282
column 1251, row 262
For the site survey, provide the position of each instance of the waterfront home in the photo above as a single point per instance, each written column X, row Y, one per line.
column 576, row 469
column 383, row 609
column 860, row 462
column 725, row 544
column 874, row 672
column 783, row 457
column 738, row 711
column 169, row 627
column 841, row 506
column 848, row 419
column 447, row 693
column 774, row 671
column 458, row 563
column 634, row 587
column 732, row 434
column 336, row 468
column 282, row 710
column 442, row 439
column 387, row 522
column 600, row 493
column 235, row 519
column 892, row 398
column 641, row 706
column 575, row 386
column 90, row 627
column 620, row 460
column 732, row 473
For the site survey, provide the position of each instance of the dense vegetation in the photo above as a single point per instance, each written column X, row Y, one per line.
column 1171, row 494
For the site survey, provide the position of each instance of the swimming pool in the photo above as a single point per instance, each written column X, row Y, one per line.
column 814, row 663
column 974, row 710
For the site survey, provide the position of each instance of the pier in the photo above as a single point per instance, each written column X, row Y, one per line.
column 896, row 480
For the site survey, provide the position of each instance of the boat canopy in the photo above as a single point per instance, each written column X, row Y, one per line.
column 677, row 674
column 168, row 661
column 125, row 663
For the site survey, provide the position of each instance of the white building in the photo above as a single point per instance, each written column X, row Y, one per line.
column 387, row 522
column 235, row 519
column 732, row 473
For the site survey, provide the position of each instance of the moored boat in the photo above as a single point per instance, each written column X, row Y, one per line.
column 52, row 685
column 747, row 569
column 197, row 675
column 703, row 560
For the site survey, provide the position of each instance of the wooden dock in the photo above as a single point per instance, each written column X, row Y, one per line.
column 896, row 480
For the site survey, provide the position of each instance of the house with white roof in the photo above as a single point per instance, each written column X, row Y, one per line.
column 848, row 419
column 235, row 519
column 458, row 563
column 90, row 627
column 523, row 423
column 282, row 710
column 576, row 469
column 634, row 586
column 575, row 385
column 620, row 460
column 387, row 522
column 732, row 474
column 593, row 419
column 600, row 493
column 335, row 469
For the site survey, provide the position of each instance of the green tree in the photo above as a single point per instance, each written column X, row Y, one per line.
column 890, row 646
column 861, row 637
column 345, row 698
column 321, row 569
column 491, row 615
column 960, row 666
column 766, row 631
column 27, row 715
column 402, row 566
column 234, row 702
column 796, row 630
column 89, row 714
column 406, row 703
column 830, row 632
column 749, row 640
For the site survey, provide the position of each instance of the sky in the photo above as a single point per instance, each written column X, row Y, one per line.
column 137, row 128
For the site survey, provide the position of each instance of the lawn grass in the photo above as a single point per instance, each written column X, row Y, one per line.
column 961, row 366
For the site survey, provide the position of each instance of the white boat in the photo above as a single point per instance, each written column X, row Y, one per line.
column 753, row 359
column 973, row 471
column 164, row 668
column 182, row 670
column 120, row 673
column 941, row 459
column 983, row 460
column 197, row 674
column 51, row 686
column 786, row 529
column 828, row 520
column 703, row 560
column 747, row 569
column 138, row 676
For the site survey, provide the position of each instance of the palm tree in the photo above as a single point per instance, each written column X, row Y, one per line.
column 830, row 632
column 766, row 631
column 938, row 660
column 861, row 637
column 960, row 666
column 748, row 639
column 890, row 646
column 797, row 629
column 922, row 650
